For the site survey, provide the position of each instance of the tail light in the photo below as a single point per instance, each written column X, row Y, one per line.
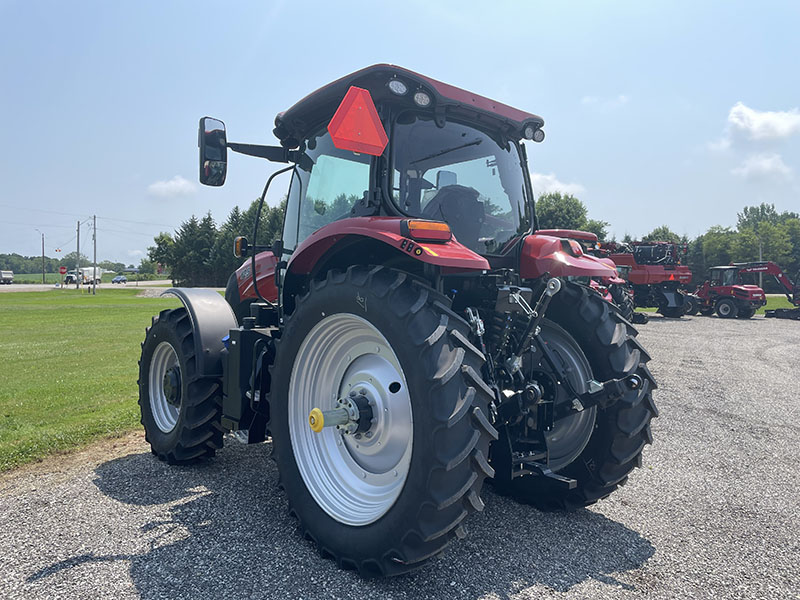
column 427, row 231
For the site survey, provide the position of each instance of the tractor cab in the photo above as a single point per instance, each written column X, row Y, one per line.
column 404, row 145
column 723, row 276
column 395, row 167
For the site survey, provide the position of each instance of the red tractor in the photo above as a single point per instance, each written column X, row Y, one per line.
column 613, row 287
column 724, row 293
column 655, row 273
column 409, row 336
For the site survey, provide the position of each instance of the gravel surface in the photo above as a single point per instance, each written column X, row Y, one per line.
column 713, row 513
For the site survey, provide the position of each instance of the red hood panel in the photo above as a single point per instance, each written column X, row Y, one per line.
column 545, row 254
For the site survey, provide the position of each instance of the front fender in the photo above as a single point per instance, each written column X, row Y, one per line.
column 212, row 319
column 546, row 254
column 451, row 256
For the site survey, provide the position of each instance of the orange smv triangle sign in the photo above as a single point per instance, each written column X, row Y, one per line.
column 356, row 125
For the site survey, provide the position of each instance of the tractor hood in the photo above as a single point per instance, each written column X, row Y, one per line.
column 748, row 292
column 547, row 254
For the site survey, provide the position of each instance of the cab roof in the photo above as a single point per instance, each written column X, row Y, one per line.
column 316, row 109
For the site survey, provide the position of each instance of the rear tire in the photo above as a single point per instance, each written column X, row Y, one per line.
column 707, row 312
column 448, row 437
column 746, row 313
column 726, row 308
column 692, row 305
column 623, row 429
column 180, row 410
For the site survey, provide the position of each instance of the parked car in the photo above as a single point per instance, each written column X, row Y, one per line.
column 120, row 279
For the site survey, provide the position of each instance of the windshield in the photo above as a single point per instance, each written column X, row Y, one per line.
column 327, row 193
column 460, row 175
column 724, row 277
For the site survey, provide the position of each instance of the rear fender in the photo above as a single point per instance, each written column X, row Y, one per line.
column 451, row 256
column 212, row 320
column 546, row 254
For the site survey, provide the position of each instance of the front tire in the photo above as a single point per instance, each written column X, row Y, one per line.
column 672, row 312
column 382, row 505
column 180, row 410
column 726, row 308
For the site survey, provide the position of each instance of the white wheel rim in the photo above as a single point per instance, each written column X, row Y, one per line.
column 355, row 481
column 164, row 414
column 570, row 435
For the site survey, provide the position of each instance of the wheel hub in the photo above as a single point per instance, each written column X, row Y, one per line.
column 172, row 386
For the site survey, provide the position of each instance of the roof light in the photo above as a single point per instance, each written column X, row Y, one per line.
column 538, row 135
column 356, row 125
column 422, row 99
column 528, row 132
column 396, row 86
column 428, row 231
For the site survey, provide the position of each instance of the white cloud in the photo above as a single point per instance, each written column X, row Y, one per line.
column 543, row 184
column 721, row 145
column 135, row 253
column 763, row 125
column 763, row 166
column 174, row 188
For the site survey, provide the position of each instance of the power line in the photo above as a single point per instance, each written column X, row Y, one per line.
column 58, row 212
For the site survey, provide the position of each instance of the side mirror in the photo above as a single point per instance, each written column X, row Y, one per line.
column 213, row 151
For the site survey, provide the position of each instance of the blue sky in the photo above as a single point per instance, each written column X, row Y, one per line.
column 676, row 113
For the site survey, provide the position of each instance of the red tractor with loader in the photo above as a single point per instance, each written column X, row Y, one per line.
column 408, row 337
column 655, row 273
column 725, row 293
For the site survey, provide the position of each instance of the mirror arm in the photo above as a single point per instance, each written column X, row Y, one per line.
column 274, row 154
column 271, row 153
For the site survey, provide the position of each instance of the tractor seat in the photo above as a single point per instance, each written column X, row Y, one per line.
column 460, row 208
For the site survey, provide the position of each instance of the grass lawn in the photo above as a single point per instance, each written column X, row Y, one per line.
column 773, row 302
column 69, row 368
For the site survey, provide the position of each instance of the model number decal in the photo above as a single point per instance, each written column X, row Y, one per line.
column 410, row 247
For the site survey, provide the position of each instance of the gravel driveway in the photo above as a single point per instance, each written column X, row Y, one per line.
column 713, row 513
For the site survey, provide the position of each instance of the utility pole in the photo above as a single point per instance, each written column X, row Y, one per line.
column 78, row 259
column 41, row 232
column 94, row 239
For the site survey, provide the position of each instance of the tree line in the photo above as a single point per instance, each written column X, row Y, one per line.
column 33, row 264
column 200, row 252
column 761, row 233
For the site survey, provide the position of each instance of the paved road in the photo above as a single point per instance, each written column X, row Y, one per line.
column 713, row 513
column 40, row 287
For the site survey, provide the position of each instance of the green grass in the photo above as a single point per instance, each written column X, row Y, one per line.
column 69, row 368
column 37, row 278
column 773, row 302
